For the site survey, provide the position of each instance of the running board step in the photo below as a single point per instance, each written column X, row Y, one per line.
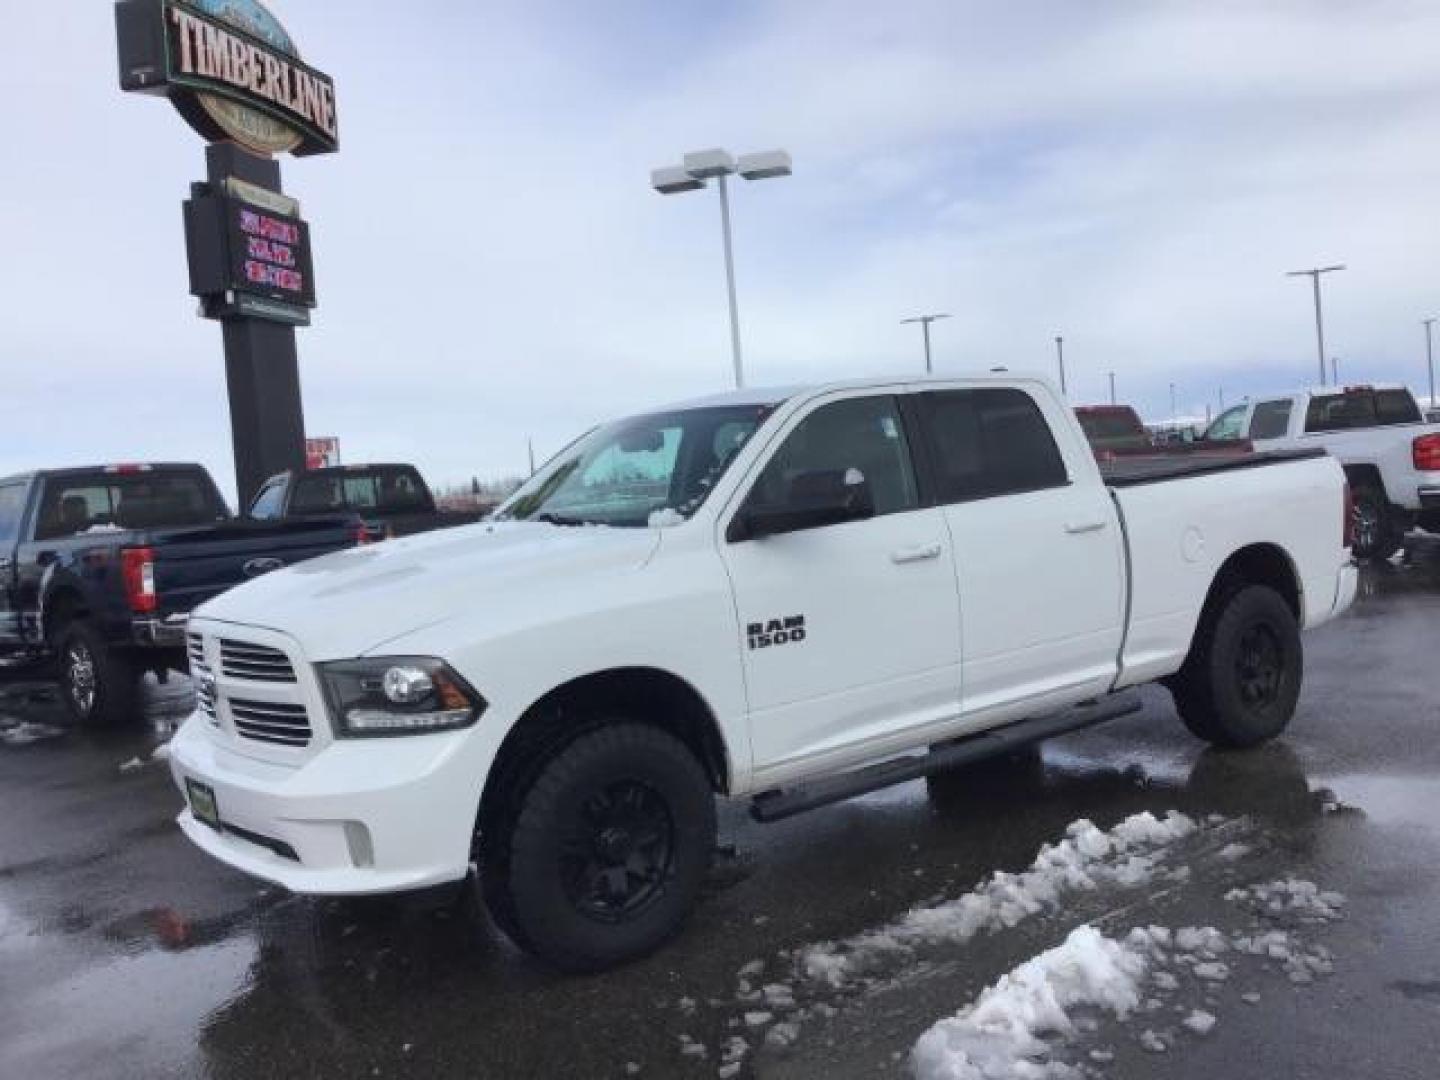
column 784, row 803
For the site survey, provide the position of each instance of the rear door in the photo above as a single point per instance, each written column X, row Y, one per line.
column 851, row 630
column 12, row 508
column 1037, row 548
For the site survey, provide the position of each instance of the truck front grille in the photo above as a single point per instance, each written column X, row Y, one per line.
column 255, row 663
column 272, row 722
column 200, row 673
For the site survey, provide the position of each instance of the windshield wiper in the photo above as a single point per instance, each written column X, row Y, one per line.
column 557, row 519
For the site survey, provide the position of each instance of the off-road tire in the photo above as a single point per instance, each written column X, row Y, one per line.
column 619, row 808
column 98, row 685
column 1239, row 686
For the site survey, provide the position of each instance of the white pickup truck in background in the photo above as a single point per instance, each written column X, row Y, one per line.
column 794, row 596
column 1390, row 454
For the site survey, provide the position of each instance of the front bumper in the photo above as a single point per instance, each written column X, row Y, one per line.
column 359, row 816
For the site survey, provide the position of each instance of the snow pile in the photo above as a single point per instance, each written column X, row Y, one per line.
column 25, row 732
column 664, row 518
column 1012, row 1028
column 1085, row 859
column 1291, row 900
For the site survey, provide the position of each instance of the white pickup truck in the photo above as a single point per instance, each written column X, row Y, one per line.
column 1391, row 456
column 793, row 596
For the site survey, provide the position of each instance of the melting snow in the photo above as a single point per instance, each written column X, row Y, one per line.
column 1087, row 858
column 1010, row 1029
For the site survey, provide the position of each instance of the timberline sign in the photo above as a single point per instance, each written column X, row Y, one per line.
column 231, row 71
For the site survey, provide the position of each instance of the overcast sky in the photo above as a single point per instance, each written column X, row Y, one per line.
column 492, row 265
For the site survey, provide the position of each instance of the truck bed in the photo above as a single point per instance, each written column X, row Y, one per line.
column 1131, row 472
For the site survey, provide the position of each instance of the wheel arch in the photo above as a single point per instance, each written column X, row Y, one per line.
column 1255, row 564
column 636, row 694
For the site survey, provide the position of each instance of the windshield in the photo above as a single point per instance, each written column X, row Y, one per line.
column 646, row 470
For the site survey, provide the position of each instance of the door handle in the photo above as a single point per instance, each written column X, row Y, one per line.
column 1075, row 528
column 915, row 554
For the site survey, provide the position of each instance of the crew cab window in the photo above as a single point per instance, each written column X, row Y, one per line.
column 267, row 504
column 126, row 501
column 1229, row 425
column 989, row 442
column 1271, row 419
column 860, row 433
column 1361, row 409
column 12, row 505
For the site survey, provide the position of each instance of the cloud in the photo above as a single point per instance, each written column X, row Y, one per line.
column 492, row 266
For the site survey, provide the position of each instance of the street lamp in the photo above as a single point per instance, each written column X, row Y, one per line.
column 1314, row 276
column 925, row 321
column 1112, row 388
column 697, row 170
column 1430, row 358
column 1060, row 359
column 1172, row 401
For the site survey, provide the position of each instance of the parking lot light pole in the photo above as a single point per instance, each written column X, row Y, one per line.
column 925, row 321
column 1314, row 276
column 1060, row 359
column 1172, row 401
column 1112, row 388
column 1430, row 357
column 697, row 170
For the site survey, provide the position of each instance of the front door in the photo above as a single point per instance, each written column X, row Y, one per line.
column 851, row 629
column 12, row 505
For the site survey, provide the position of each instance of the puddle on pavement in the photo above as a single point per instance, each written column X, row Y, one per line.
column 1391, row 800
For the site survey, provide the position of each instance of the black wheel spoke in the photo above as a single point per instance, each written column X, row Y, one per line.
column 618, row 850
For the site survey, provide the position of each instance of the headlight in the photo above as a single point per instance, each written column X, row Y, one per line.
column 397, row 695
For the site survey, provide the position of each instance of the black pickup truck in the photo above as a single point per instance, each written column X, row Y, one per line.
column 393, row 500
column 100, row 568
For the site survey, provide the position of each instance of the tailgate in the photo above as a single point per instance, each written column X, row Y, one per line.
column 193, row 565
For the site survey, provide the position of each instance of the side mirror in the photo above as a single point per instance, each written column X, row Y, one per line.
column 817, row 498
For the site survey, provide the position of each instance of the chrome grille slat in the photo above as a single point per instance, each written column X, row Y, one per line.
column 257, row 663
column 204, row 693
column 273, row 722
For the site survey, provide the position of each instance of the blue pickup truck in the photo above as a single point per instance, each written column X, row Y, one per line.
column 101, row 566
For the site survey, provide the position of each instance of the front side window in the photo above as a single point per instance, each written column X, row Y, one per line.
column 267, row 504
column 1229, row 425
column 12, row 505
column 662, row 466
column 989, row 442
column 863, row 434
column 1271, row 419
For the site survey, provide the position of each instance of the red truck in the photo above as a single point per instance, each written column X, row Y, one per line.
column 1115, row 431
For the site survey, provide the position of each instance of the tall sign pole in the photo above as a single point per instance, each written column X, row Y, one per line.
column 231, row 70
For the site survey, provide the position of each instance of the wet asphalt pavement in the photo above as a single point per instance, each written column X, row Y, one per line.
column 126, row 953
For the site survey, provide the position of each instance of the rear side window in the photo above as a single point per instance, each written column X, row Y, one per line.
column 1271, row 419
column 1361, row 409
column 12, row 505
column 990, row 442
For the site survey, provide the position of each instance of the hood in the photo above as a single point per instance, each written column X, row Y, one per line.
column 345, row 604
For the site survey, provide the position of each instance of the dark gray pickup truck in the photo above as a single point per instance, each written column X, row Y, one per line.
column 101, row 566
column 393, row 500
